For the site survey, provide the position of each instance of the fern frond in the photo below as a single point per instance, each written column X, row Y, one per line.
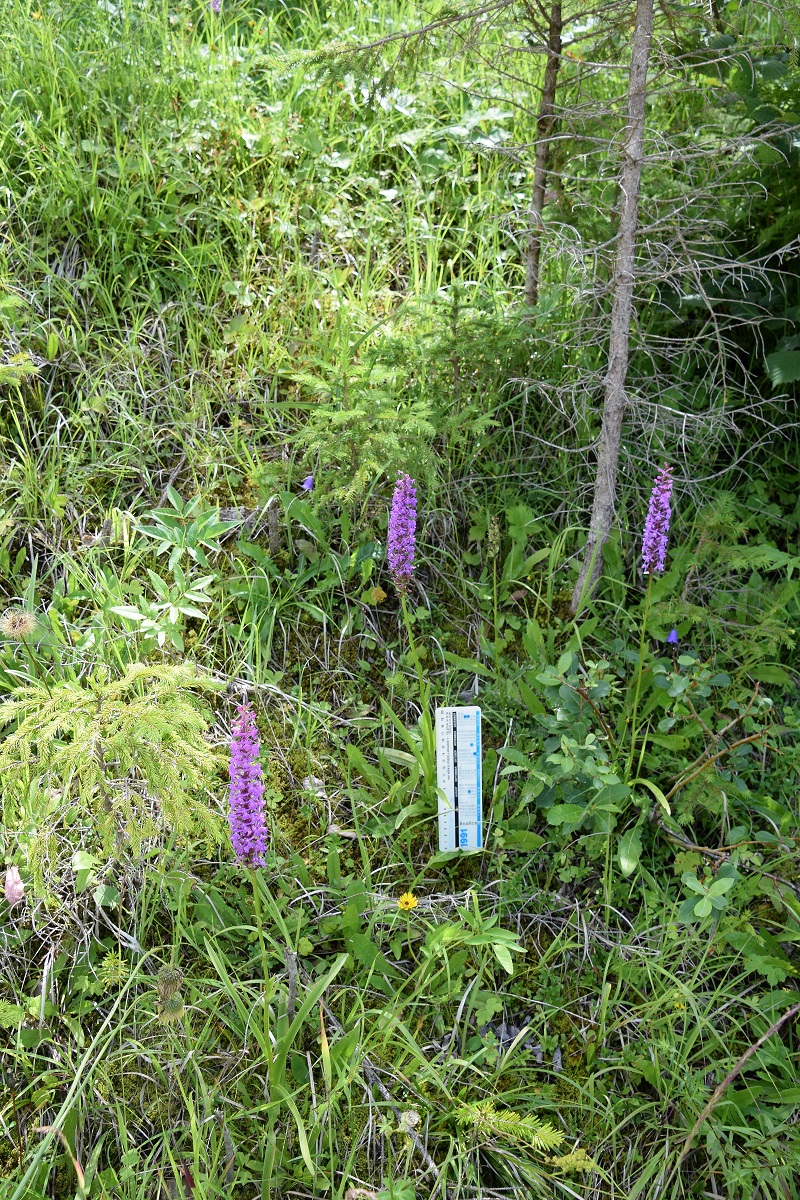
column 10, row 1015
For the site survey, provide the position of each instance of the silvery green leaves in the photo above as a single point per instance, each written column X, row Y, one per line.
column 185, row 528
column 161, row 620
column 709, row 897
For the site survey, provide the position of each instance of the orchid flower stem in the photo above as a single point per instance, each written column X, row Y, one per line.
column 495, row 615
column 424, row 696
column 414, row 654
column 262, row 947
column 639, row 677
column 272, row 1109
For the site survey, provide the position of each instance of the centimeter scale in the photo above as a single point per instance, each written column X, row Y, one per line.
column 458, row 777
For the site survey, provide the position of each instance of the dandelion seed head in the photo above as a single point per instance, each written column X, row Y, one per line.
column 17, row 624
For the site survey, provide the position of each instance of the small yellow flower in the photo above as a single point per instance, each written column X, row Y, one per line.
column 37, row 16
column 407, row 901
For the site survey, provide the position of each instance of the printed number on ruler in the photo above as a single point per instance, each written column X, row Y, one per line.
column 458, row 776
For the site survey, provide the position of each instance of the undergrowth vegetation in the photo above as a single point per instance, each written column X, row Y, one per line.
column 245, row 279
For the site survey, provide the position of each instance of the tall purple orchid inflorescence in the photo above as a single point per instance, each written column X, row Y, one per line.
column 656, row 529
column 402, row 532
column 246, row 816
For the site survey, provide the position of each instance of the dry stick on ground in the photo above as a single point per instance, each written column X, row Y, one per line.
column 723, row 854
column 621, row 311
column 719, row 1091
column 544, row 129
column 706, row 762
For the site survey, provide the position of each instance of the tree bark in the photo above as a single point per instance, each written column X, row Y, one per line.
column 615, row 399
column 544, row 130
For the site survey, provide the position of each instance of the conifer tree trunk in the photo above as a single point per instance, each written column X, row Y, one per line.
column 621, row 309
column 544, row 130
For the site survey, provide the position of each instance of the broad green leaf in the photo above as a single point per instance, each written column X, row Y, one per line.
column 686, row 911
column 769, row 673
column 106, row 896
column 630, row 851
column 127, row 611
column 529, row 697
column 720, row 886
column 515, row 756
column 524, row 840
column 657, row 792
column 503, row 956
column 468, row 664
column 613, row 793
column 783, row 367
column 549, row 678
column 669, row 741
column 565, row 814
column 83, row 861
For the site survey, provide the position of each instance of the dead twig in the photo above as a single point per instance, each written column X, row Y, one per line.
column 720, row 1090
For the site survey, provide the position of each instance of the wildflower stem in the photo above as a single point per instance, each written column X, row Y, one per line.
column 494, row 608
column 42, row 678
column 408, row 939
column 424, row 697
column 273, row 1102
column 263, row 949
column 639, row 676
column 412, row 643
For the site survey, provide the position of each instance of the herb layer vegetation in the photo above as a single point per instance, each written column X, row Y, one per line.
column 357, row 361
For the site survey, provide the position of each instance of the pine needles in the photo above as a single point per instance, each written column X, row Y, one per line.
column 118, row 746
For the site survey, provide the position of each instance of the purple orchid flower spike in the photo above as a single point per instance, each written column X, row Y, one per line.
column 656, row 529
column 246, row 816
column 402, row 532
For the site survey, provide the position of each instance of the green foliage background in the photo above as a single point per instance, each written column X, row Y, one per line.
column 239, row 248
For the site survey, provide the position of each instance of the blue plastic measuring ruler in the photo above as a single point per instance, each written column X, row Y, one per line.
column 458, row 777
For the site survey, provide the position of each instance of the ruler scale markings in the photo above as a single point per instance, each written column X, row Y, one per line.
column 456, row 797
column 458, row 770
